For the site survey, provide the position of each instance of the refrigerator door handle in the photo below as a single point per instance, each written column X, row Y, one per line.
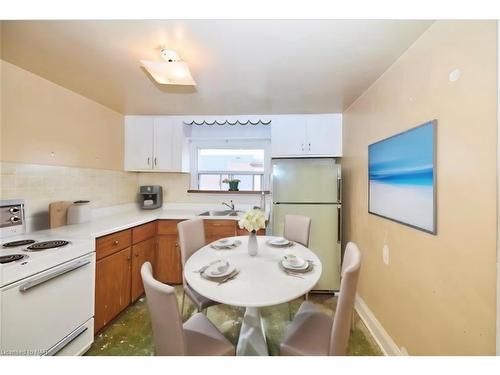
column 339, row 189
column 339, row 226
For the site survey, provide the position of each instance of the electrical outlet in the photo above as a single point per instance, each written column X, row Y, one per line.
column 385, row 254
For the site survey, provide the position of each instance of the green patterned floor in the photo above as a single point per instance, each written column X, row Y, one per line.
column 130, row 333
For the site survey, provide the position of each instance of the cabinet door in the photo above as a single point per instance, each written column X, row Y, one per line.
column 217, row 229
column 168, row 260
column 180, row 147
column 324, row 135
column 138, row 143
column 142, row 252
column 163, row 141
column 288, row 135
column 112, row 287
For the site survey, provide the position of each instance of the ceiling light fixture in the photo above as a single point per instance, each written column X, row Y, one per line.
column 172, row 71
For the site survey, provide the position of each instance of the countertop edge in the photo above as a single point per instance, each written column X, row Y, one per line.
column 99, row 227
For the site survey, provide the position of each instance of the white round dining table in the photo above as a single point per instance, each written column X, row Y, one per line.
column 260, row 282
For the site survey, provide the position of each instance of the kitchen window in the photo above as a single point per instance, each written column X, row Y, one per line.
column 215, row 161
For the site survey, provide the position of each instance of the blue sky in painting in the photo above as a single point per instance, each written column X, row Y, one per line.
column 406, row 158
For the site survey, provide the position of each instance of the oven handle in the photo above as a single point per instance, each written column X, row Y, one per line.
column 42, row 279
column 66, row 341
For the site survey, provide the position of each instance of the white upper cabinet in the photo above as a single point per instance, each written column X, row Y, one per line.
column 306, row 135
column 155, row 143
column 162, row 146
column 139, row 143
column 288, row 135
column 324, row 134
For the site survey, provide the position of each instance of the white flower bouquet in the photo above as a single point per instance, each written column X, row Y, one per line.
column 253, row 220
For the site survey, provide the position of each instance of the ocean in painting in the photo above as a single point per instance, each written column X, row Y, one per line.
column 401, row 177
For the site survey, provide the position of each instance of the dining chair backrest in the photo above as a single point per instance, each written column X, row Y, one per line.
column 297, row 228
column 341, row 329
column 168, row 334
column 191, row 237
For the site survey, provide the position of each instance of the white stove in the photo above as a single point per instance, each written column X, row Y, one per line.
column 19, row 262
column 48, row 277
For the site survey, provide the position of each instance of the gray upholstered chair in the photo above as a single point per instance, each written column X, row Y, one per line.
column 197, row 336
column 191, row 239
column 312, row 332
column 297, row 228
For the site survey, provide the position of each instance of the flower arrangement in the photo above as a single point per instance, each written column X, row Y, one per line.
column 233, row 183
column 253, row 220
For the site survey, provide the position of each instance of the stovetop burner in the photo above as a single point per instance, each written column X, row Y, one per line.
column 46, row 245
column 11, row 258
column 18, row 243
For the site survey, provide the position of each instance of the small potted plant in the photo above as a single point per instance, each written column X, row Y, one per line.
column 233, row 183
column 252, row 221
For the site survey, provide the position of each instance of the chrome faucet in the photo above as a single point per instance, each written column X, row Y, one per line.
column 230, row 205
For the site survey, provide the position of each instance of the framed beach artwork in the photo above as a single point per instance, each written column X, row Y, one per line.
column 402, row 177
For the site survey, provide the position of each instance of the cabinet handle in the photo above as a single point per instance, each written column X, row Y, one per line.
column 309, row 146
column 129, row 258
column 156, row 161
column 116, row 242
column 149, row 159
column 136, row 255
column 302, row 146
column 176, row 244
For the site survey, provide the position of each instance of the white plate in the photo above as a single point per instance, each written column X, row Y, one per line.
column 299, row 266
column 214, row 269
column 279, row 242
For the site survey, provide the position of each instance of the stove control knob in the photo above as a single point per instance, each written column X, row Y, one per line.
column 14, row 219
column 14, row 210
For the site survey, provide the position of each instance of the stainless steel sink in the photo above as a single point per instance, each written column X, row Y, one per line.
column 220, row 213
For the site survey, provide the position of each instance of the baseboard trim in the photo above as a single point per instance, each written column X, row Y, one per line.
column 384, row 341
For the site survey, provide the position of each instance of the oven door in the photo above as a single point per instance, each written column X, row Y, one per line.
column 42, row 314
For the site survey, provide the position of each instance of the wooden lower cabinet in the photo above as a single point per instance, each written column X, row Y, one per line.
column 121, row 255
column 217, row 229
column 142, row 252
column 112, row 287
column 168, row 259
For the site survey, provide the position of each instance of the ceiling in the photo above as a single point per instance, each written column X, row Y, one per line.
column 240, row 66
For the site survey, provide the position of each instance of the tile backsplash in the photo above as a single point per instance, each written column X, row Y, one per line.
column 41, row 184
column 176, row 185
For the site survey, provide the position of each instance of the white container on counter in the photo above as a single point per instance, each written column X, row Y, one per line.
column 79, row 212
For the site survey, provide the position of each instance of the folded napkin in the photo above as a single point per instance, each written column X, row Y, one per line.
column 218, row 246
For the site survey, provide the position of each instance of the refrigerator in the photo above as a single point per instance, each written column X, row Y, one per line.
column 312, row 187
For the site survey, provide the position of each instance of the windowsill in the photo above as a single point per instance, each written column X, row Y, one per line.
column 256, row 192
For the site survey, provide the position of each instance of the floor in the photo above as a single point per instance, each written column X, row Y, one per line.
column 130, row 334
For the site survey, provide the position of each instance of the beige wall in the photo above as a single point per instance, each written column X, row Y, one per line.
column 39, row 117
column 437, row 295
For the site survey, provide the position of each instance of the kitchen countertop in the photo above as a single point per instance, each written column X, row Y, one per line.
column 114, row 219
